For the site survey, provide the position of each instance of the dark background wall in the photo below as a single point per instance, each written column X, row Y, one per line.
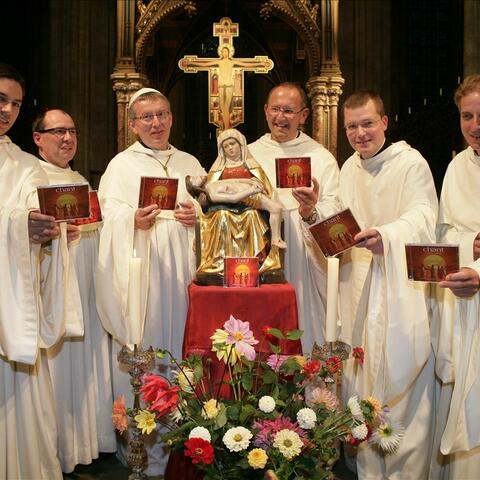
column 411, row 51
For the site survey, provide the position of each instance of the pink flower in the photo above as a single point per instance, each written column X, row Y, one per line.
column 241, row 337
column 268, row 428
column 316, row 396
column 119, row 414
column 275, row 361
column 157, row 391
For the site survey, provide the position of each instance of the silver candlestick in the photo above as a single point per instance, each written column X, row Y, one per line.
column 139, row 361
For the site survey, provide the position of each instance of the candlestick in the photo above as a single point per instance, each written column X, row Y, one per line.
column 332, row 298
column 135, row 317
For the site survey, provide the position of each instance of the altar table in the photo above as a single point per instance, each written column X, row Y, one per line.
column 273, row 305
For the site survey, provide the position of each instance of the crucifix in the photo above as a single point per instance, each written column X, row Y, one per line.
column 225, row 76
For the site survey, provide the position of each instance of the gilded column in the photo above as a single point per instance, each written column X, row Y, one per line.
column 325, row 89
column 126, row 80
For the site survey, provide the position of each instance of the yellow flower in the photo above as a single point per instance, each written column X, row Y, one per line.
column 145, row 421
column 257, row 458
column 300, row 359
column 375, row 404
column 223, row 351
column 185, row 379
column 210, row 409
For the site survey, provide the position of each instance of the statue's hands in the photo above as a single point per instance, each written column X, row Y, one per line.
column 41, row 228
column 476, row 247
column 371, row 239
column 464, row 283
column 185, row 214
column 307, row 198
column 145, row 217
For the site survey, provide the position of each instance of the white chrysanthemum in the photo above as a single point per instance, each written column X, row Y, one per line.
column 306, row 418
column 200, row 432
column 266, row 404
column 360, row 432
column 288, row 443
column 237, row 439
column 388, row 436
column 355, row 409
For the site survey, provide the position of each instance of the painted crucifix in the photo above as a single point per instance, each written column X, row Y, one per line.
column 225, row 76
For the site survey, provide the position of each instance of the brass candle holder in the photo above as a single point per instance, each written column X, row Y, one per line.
column 138, row 361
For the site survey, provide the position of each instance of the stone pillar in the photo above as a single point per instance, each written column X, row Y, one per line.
column 471, row 50
column 126, row 80
column 325, row 89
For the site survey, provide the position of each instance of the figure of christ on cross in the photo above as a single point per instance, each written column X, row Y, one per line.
column 229, row 77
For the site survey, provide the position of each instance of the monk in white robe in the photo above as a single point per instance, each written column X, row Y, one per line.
column 162, row 238
column 79, row 365
column 456, row 453
column 390, row 191
column 28, row 435
column 305, row 266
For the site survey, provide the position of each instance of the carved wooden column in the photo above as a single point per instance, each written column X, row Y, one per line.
column 125, row 78
column 325, row 89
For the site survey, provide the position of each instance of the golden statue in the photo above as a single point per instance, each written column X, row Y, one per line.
column 236, row 197
column 225, row 76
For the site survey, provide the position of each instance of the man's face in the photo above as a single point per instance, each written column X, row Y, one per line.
column 54, row 147
column 470, row 119
column 11, row 96
column 284, row 113
column 365, row 129
column 153, row 132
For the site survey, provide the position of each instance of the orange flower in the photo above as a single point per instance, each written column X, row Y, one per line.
column 119, row 414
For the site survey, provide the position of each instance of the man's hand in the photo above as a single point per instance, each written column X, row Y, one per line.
column 73, row 232
column 41, row 228
column 145, row 217
column 464, row 283
column 185, row 214
column 371, row 239
column 307, row 198
column 476, row 247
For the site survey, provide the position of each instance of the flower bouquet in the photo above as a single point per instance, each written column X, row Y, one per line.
column 268, row 416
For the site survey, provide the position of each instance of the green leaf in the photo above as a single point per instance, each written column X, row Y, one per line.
column 276, row 333
column 247, row 381
column 274, row 348
column 269, row 377
column 294, row 334
column 221, row 418
column 233, row 411
column 247, row 411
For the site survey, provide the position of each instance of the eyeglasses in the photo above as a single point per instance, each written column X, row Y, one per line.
column 60, row 132
column 366, row 125
column 147, row 118
column 4, row 100
column 288, row 112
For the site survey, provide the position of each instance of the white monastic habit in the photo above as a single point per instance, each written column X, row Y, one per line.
column 80, row 365
column 382, row 310
column 458, row 331
column 305, row 266
column 28, row 434
column 167, row 255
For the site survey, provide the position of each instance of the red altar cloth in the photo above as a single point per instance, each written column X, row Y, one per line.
column 209, row 308
column 273, row 305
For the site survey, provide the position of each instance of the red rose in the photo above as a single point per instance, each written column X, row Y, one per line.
column 333, row 364
column 358, row 355
column 311, row 367
column 271, row 338
column 157, row 392
column 199, row 450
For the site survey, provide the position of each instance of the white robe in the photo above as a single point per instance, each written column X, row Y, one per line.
column 28, row 436
column 305, row 265
column 458, row 330
column 168, row 261
column 80, row 365
column 382, row 310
